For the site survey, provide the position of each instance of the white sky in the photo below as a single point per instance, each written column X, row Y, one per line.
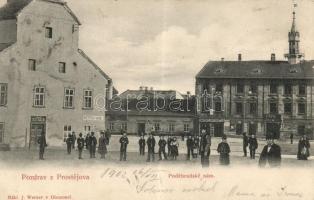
column 164, row 43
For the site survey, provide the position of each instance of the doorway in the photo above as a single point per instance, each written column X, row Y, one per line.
column 141, row 128
column 218, row 129
column 38, row 127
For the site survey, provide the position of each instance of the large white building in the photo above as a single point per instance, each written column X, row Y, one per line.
column 47, row 83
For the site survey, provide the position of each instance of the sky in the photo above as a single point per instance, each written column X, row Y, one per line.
column 164, row 43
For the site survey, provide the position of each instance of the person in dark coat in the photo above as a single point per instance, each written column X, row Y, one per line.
column 205, row 144
column 270, row 154
column 162, row 148
column 253, row 145
column 108, row 136
column 69, row 142
column 169, row 140
column 245, row 144
column 303, row 148
column 142, row 143
column 189, row 146
column 80, row 145
column 151, row 148
column 291, row 138
column 102, row 148
column 124, row 141
column 42, row 145
column 195, row 146
column 73, row 140
column 87, row 137
column 224, row 150
column 174, row 148
column 92, row 145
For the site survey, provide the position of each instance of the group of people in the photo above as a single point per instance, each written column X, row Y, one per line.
column 196, row 145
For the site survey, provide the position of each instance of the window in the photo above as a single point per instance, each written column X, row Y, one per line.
column 157, row 126
column 218, row 106
column 3, row 94
column 66, row 131
column 186, row 128
column 302, row 89
column 239, row 108
column 288, row 108
column 288, row 89
column 239, row 128
column 124, row 126
column 32, row 65
column 273, row 88
column 48, row 32
column 62, row 67
column 240, row 88
column 87, row 129
column 273, row 108
column 39, row 96
column 253, row 108
column 111, row 126
column 88, row 99
column 1, row 132
column 301, row 108
column 171, row 127
column 68, row 98
column 253, row 89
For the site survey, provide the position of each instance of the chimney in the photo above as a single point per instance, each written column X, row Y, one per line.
column 141, row 88
column 151, row 89
column 188, row 93
column 222, row 59
column 146, row 88
column 273, row 57
column 239, row 57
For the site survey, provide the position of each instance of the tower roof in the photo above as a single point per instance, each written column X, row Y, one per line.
column 294, row 25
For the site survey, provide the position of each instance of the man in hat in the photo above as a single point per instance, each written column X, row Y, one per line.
column 42, row 145
column 253, row 146
column 291, row 138
column 124, row 141
column 162, row 148
column 224, row 150
column 303, row 148
column 189, row 146
column 245, row 144
column 270, row 154
column 69, row 142
column 142, row 143
column 102, row 149
column 92, row 145
column 205, row 144
column 80, row 145
column 151, row 148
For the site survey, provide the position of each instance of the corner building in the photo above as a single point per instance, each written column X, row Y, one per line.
column 258, row 97
column 47, row 83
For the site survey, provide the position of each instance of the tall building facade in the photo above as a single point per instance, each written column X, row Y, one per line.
column 47, row 83
column 258, row 97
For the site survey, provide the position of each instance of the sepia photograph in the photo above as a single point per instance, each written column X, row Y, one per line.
column 158, row 99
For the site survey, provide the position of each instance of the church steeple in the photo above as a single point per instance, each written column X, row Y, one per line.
column 294, row 56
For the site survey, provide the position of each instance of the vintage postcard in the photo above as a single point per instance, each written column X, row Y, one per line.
column 156, row 99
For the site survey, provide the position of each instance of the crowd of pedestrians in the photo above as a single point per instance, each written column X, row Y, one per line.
column 168, row 148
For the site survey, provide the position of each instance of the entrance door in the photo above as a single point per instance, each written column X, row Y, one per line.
column 141, row 128
column 36, row 131
column 273, row 129
column 218, row 129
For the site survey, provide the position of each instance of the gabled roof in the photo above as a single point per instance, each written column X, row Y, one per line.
column 257, row 70
column 13, row 7
column 94, row 64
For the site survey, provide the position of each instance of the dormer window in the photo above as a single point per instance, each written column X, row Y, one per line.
column 219, row 70
column 62, row 68
column 48, row 32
